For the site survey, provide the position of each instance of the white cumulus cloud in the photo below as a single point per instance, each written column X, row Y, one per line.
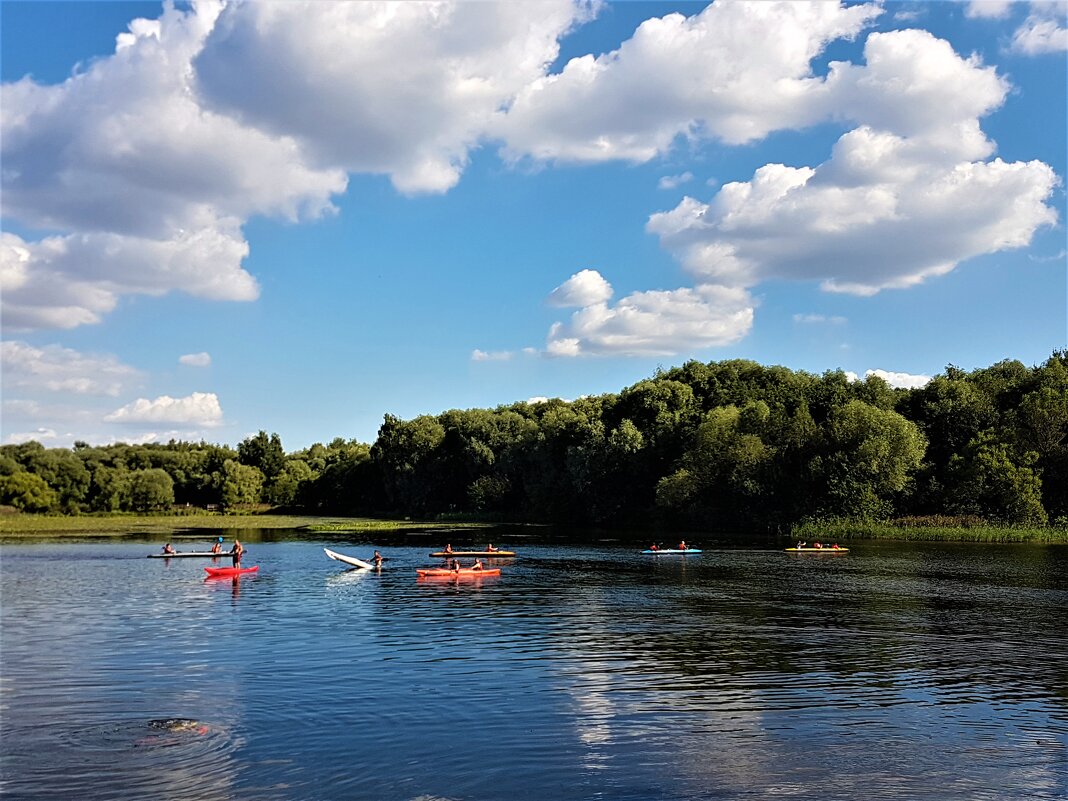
column 54, row 368
column 146, row 188
column 903, row 198
column 674, row 181
column 195, row 359
column 900, row 380
column 402, row 89
column 584, row 288
column 491, row 356
column 736, row 71
column 655, row 323
column 198, row 409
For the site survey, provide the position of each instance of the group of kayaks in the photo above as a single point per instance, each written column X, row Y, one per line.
column 454, row 571
column 435, row 572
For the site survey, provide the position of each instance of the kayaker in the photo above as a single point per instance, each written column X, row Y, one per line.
column 448, row 548
column 835, row 547
column 217, row 547
column 817, row 544
column 377, row 559
column 455, row 565
column 477, row 565
column 654, row 547
column 237, row 552
column 169, row 549
column 490, row 548
column 801, row 544
column 683, row 546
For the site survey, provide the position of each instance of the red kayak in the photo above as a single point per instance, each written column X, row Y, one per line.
column 230, row 571
column 466, row 572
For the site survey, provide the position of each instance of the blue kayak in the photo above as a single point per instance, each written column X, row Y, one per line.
column 671, row 550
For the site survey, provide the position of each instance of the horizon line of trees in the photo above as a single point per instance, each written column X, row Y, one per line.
column 727, row 445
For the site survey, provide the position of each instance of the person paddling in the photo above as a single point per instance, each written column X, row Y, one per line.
column 237, row 552
column 683, row 546
column 377, row 559
column 169, row 549
column 217, row 547
column 477, row 565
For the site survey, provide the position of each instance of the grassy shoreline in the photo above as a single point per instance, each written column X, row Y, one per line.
column 12, row 526
column 847, row 530
column 28, row 526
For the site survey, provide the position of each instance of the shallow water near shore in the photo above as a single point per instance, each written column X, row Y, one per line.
column 899, row 670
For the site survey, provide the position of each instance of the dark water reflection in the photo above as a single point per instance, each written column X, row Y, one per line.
column 896, row 672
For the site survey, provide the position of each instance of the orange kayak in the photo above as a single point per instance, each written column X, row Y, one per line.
column 444, row 572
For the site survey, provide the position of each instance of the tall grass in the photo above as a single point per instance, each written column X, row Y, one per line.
column 926, row 530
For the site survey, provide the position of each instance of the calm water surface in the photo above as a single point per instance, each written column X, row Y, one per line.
column 894, row 672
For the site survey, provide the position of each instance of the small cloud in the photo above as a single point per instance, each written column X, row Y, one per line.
column 198, row 409
column 1042, row 32
column 908, row 16
column 1055, row 257
column 491, row 356
column 988, row 9
column 584, row 288
column 195, row 359
column 900, row 380
column 536, row 400
column 40, row 435
column 819, row 318
column 674, row 181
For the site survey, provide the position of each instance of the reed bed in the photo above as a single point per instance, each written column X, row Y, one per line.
column 913, row 531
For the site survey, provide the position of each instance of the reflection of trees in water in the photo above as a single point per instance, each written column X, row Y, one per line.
column 726, row 675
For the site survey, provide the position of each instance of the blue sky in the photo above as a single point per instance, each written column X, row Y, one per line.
column 298, row 218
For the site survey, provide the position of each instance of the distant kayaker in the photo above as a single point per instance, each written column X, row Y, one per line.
column 817, row 544
column 377, row 559
column 169, row 549
column 237, row 552
column 455, row 565
column 654, row 547
column 835, row 547
column 477, row 565
column 490, row 548
column 801, row 544
column 448, row 548
column 217, row 547
column 683, row 546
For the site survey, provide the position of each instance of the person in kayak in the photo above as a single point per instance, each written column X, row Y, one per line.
column 654, row 547
column 377, row 559
column 217, row 547
column 801, row 544
column 237, row 552
column 448, row 548
column 455, row 565
column 477, row 565
column 683, row 546
column 169, row 549
column 491, row 549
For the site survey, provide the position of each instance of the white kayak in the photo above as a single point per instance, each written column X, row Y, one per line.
column 348, row 560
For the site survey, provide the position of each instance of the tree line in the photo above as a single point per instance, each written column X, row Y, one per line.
column 722, row 445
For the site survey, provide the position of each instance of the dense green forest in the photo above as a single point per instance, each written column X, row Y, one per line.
column 729, row 445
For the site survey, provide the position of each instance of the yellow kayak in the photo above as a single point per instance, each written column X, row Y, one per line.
column 817, row 550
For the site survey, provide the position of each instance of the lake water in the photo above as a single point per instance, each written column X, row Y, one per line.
column 898, row 671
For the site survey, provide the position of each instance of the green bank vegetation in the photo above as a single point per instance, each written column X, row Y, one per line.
column 120, row 524
column 728, row 446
